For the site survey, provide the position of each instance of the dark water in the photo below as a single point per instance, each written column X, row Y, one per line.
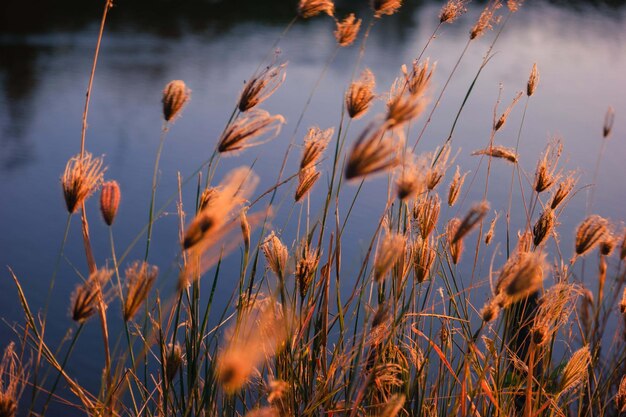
column 44, row 68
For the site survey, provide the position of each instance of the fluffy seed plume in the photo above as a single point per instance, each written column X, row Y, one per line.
column 545, row 174
column 609, row 117
column 456, row 247
column 498, row 152
column 543, row 227
column 563, row 190
column 208, row 197
column 524, row 242
column 87, row 296
column 347, row 30
column 385, row 7
column 533, row 81
column 410, row 181
column 418, row 79
column 261, row 86
column 439, row 165
column 374, row 151
column 553, row 311
column 11, row 381
column 486, row 19
column 276, row 254
column 307, row 178
column 575, row 372
column 307, row 261
column 521, row 276
column 608, row 243
column 490, row 311
column 388, row 253
column 109, row 201
column 471, row 219
column 452, row 10
column 589, row 233
column 82, row 176
column 403, row 107
column 175, row 96
column 424, row 256
column 360, row 95
column 253, row 125
column 139, row 280
column 455, row 186
column 426, row 213
column 310, row 8
column 315, row 144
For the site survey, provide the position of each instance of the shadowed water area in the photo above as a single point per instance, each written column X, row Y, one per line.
column 45, row 61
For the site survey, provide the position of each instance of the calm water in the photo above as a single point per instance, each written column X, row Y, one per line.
column 580, row 51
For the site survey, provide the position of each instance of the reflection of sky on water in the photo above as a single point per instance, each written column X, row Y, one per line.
column 43, row 77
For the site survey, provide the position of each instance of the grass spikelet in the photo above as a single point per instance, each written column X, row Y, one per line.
column 576, row 372
column 11, row 381
column 276, row 254
column 543, row 227
column 410, row 181
column 374, row 151
column 389, row 251
column 360, row 94
column 307, row 261
column 109, row 201
column 82, row 176
column 492, row 229
column 545, row 174
column 175, row 96
column 486, row 19
column 418, row 80
column 245, row 228
column 490, row 311
column 608, row 243
column 471, row 219
column 87, row 296
column 609, row 118
column 563, row 190
column 261, row 86
column 455, row 186
column 173, row 360
column 524, row 242
column 424, row 256
column 315, row 144
column 620, row 398
column 208, row 197
column 502, row 119
column 438, row 167
column 310, row 8
column 139, row 280
column 426, row 213
column 589, row 233
column 455, row 246
column 261, row 332
column 306, row 180
column 533, row 81
column 347, row 30
column 403, row 107
column 241, row 134
column 498, row 152
column 452, row 10
column 385, row 7
column 553, row 311
column 521, row 276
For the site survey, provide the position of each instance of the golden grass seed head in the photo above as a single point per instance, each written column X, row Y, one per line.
column 88, row 296
column 307, row 261
column 553, row 310
column 360, row 94
column 452, row 10
column 393, row 406
column 245, row 227
column 246, row 131
column 524, row 242
column 347, row 30
column 620, row 398
column 315, row 143
column 622, row 303
column 575, row 372
column 498, row 152
column 276, row 254
column 544, row 226
column 208, row 196
column 12, row 378
column 502, row 119
column 8, row 405
column 418, row 79
column 389, row 251
column 385, row 7
column 533, row 81
column 81, row 178
column 521, row 276
column 410, row 181
column 439, row 165
column 563, row 190
column 471, row 219
column 426, row 213
column 490, row 311
column 140, row 277
column 455, row 246
column 375, row 151
column 609, row 118
column 455, row 186
column 514, row 5
column 175, row 96
column 608, row 243
column 492, row 228
column 486, row 19
column 545, row 174
column 307, row 178
column 424, row 256
column 402, row 107
column 261, row 86
column 310, row 8
column 589, row 233
column 109, row 201
column 173, row 360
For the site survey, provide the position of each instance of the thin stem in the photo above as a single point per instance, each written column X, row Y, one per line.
column 164, row 131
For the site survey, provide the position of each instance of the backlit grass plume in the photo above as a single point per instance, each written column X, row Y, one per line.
column 261, row 86
column 175, row 96
column 310, row 8
column 253, row 128
column 360, row 94
column 139, row 280
column 82, row 176
column 88, row 296
column 347, row 30
column 374, row 151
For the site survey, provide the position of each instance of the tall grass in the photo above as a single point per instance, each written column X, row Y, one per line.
column 403, row 330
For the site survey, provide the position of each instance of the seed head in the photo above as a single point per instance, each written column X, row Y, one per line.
column 514, row 5
column 521, row 276
column 175, row 96
column 471, row 219
column 310, row 8
column 418, row 80
column 276, row 254
column 455, row 186
column 543, row 227
column 388, row 253
column 87, row 296
column 315, row 144
column 307, row 261
column 456, row 247
column 553, row 310
column 385, row 7
column 109, row 201
column 486, row 19
column 393, row 406
column 255, row 124
column 347, row 30
column 360, row 95
column 563, row 190
column 307, row 178
column 208, row 197
column 139, row 279
column 245, row 228
column 533, row 81
column 608, row 243
column 403, row 107
column 620, row 398
column 490, row 311
column 545, row 174
column 82, row 176
column 373, row 152
column 173, row 360
column 502, row 120
column 524, row 241
column 575, row 372
column 426, row 213
column 410, row 181
column 609, row 117
column 439, row 165
column 12, row 378
column 452, row 10
column 264, row 412
column 492, row 228
column 590, row 232
column 424, row 256
column 498, row 152
column 261, row 86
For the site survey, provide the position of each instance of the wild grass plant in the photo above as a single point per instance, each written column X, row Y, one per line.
column 400, row 332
